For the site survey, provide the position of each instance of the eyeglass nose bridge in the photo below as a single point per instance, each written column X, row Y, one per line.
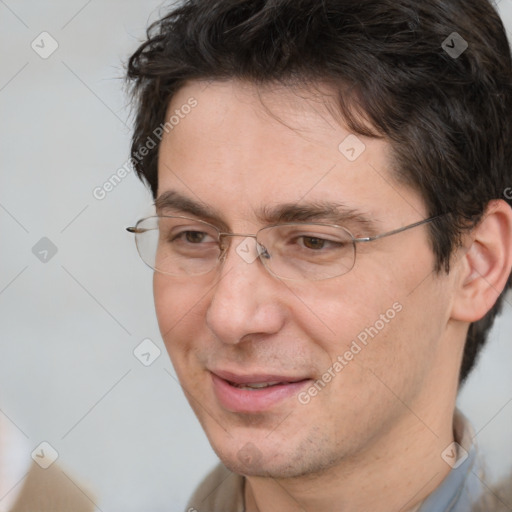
column 224, row 247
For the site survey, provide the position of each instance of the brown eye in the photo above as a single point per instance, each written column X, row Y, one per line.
column 313, row 242
column 194, row 236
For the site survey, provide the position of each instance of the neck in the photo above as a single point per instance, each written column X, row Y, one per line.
column 397, row 472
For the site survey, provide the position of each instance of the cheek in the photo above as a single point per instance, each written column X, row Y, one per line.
column 400, row 343
column 179, row 306
column 334, row 314
column 376, row 325
column 166, row 303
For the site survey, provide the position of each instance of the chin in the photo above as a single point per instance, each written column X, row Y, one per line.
column 261, row 468
column 274, row 462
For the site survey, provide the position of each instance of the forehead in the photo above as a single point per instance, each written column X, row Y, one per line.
column 243, row 146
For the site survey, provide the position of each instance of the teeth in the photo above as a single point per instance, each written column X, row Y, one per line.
column 259, row 385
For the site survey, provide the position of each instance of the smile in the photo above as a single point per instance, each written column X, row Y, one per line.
column 255, row 386
column 254, row 393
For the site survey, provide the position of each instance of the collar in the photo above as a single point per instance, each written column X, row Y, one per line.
column 462, row 488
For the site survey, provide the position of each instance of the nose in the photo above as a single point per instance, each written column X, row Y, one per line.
column 246, row 300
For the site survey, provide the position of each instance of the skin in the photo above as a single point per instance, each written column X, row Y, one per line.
column 372, row 438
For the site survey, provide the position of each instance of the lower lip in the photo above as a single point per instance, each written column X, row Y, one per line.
column 257, row 400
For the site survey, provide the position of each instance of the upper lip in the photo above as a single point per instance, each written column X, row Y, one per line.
column 256, row 378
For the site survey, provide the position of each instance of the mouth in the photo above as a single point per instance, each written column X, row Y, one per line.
column 261, row 385
column 254, row 392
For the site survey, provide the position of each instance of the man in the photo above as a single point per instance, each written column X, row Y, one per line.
column 331, row 240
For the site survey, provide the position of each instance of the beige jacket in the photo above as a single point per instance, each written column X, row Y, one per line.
column 51, row 490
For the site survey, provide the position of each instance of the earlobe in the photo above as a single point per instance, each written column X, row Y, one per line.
column 486, row 264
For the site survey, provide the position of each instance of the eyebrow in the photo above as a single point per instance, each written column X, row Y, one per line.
column 316, row 211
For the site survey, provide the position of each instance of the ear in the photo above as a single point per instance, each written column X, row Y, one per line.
column 486, row 265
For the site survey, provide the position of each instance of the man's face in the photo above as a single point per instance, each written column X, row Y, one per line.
column 241, row 324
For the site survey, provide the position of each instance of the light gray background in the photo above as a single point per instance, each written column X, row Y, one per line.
column 69, row 326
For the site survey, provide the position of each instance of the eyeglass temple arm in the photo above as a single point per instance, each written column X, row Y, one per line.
column 132, row 229
column 399, row 230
